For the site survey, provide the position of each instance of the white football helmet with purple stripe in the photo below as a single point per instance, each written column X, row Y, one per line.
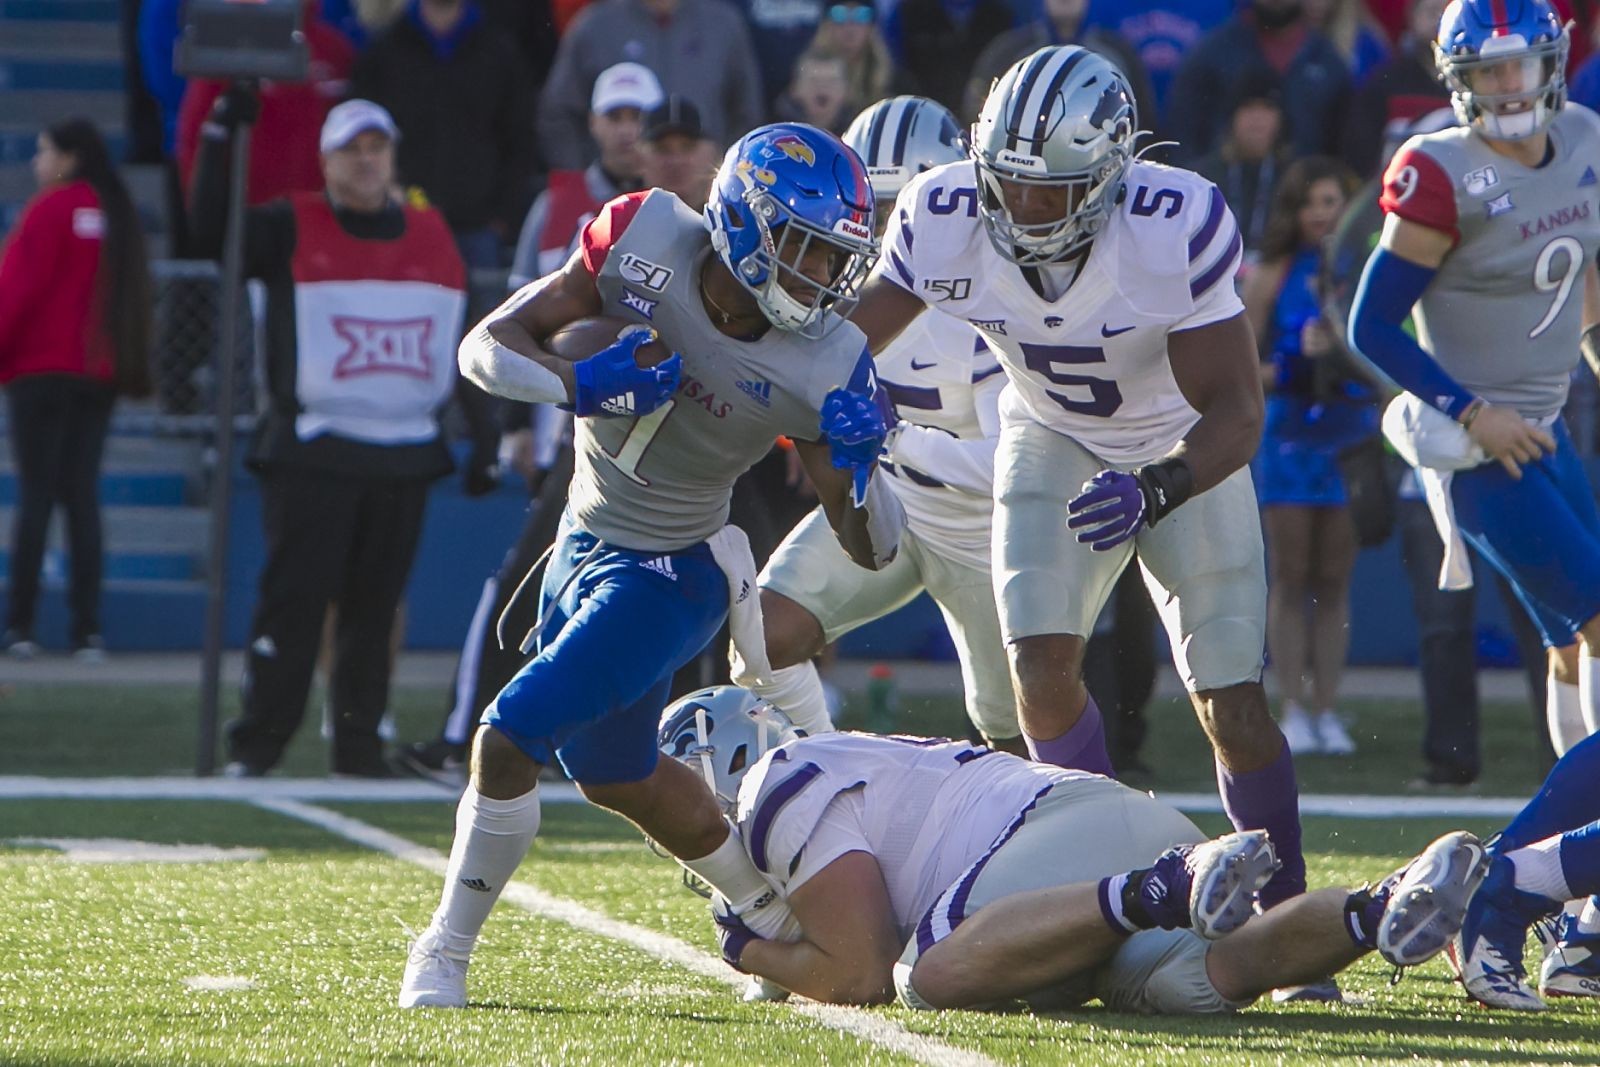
column 1063, row 116
column 721, row 732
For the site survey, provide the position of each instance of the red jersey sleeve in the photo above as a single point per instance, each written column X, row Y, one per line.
column 1416, row 188
column 606, row 229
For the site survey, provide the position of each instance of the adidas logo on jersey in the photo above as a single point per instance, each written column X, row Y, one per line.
column 661, row 565
column 1588, row 177
column 757, row 389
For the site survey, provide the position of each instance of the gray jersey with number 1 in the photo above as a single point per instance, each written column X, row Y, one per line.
column 1504, row 312
column 662, row 482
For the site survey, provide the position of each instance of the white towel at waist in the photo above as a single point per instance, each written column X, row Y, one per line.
column 748, row 660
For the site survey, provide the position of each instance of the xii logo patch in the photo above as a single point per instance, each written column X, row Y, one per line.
column 380, row 346
column 634, row 301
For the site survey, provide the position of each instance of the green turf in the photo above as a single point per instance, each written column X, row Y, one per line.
column 99, row 954
column 151, row 730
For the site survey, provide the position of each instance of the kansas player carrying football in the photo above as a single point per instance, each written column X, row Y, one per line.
column 635, row 585
column 1105, row 286
column 959, row 877
column 945, row 385
column 1490, row 232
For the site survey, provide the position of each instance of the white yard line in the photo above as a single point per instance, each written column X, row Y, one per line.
column 329, row 790
column 875, row 1029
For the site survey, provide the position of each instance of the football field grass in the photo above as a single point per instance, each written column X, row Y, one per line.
column 291, row 953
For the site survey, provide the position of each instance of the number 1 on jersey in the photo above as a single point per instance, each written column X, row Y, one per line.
column 634, row 446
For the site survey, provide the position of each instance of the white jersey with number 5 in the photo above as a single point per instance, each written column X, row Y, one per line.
column 1090, row 362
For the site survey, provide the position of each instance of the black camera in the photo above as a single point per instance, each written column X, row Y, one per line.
column 243, row 39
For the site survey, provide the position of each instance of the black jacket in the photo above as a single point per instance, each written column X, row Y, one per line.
column 466, row 122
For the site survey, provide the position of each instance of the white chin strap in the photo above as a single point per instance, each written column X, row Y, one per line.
column 1514, row 127
column 707, row 768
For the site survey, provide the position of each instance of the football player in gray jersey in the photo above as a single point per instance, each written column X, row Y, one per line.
column 1491, row 231
column 749, row 298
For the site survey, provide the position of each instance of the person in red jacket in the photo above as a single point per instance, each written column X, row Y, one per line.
column 74, row 331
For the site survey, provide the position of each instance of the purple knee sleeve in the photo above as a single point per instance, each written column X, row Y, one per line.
column 1269, row 800
column 1082, row 748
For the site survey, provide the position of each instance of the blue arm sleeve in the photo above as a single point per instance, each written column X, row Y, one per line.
column 1390, row 285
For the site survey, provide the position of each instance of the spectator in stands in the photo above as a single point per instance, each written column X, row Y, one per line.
column 677, row 155
column 283, row 145
column 819, row 93
column 1315, row 408
column 462, row 95
column 158, row 28
column 364, row 302
column 699, row 49
column 1583, row 86
column 1161, row 33
column 1060, row 23
column 622, row 94
column 780, row 30
column 1398, row 93
column 936, row 42
column 850, row 30
column 1355, row 33
column 74, row 332
column 1266, row 35
column 1246, row 165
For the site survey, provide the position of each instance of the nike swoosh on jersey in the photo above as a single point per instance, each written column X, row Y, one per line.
column 922, row 366
column 1107, row 331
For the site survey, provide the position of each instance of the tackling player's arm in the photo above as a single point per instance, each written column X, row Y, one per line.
column 849, row 944
column 889, row 301
column 1419, row 231
column 1590, row 344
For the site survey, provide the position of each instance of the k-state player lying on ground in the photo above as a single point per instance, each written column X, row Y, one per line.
column 945, row 385
column 956, row 877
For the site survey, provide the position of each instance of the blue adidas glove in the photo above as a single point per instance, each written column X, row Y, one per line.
column 854, row 428
column 1109, row 510
column 732, row 934
column 611, row 383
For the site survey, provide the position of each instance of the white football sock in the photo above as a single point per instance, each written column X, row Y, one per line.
column 1538, row 868
column 492, row 836
column 1589, row 919
column 1563, row 712
column 729, row 871
column 1589, row 693
column 798, row 693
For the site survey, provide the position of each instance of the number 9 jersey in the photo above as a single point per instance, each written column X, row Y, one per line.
column 1089, row 362
column 1503, row 314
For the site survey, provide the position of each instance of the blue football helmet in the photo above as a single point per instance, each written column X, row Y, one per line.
column 721, row 732
column 781, row 187
column 1502, row 39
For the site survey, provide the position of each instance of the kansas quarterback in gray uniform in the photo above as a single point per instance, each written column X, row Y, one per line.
column 637, row 582
column 951, row 876
column 945, row 386
column 1133, row 406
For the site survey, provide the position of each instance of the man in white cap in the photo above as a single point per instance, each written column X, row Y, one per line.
column 364, row 305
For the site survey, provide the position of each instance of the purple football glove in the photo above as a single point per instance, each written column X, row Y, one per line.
column 854, row 427
column 732, row 934
column 1108, row 510
column 611, row 383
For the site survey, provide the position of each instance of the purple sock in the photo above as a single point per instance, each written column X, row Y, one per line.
column 1269, row 800
column 1082, row 748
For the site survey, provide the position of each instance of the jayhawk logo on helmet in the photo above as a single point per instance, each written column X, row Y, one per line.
column 796, row 149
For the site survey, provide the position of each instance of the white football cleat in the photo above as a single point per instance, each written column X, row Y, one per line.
column 1487, row 953
column 1572, row 966
column 433, row 979
column 1425, row 902
column 1332, row 735
column 1300, row 731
